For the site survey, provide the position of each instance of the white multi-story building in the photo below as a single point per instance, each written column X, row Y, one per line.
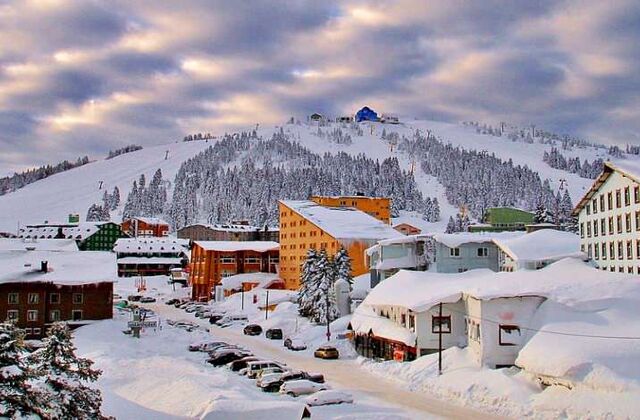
column 609, row 218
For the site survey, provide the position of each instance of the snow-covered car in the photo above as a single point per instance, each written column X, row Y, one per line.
column 268, row 371
column 231, row 319
column 301, row 387
column 147, row 299
column 254, row 367
column 326, row 352
column 237, row 365
column 192, row 308
column 206, row 346
column 295, row 344
column 327, row 397
column 273, row 334
column 229, row 356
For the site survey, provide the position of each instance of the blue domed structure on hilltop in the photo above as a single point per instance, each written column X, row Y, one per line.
column 366, row 114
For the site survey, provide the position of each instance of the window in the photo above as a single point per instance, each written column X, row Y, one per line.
column 618, row 199
column 612, row 250
column 621, row 269
column 462, row 269
column 441, row 323
column 595, row 228
column 509, row 335
column 12, row 314
column 627, row 196
column 403, row 320
column 54, row 315
column 483, row 252
column 630, row 270
column 412, row 322
column 627, row 222
column 620, row 254
column 603, row 227
column 582, row 230
column 32, row 315
column 588, row 230
column 619, row 223
column 588, row 206
column 76, row 315
column 589, row 253
column 601, row 202
column 596, row 251
column 37, row 331
column 77, row 298
column 611, row 232
column 27, row 331
column 629, row 250
column 595, row 206
column 610, row 201
column 636, row 194
column 454, row 252
column 227, row 260
column 637, row 220
column 14, row 298
column 54, row 298
column 604, row 250
column 33, row 298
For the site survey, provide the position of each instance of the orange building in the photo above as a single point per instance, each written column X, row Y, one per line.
column 145, row 227
column 213, row 260
column 378, row 207
column 307, row 224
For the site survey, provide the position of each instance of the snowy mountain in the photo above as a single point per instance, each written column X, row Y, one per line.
column 74, row 191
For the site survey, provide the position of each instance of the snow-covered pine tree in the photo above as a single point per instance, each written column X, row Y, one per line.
column 325, row 308
column 540, row 215
column 566, row 207
column 65, row 376
column 18, row 398
column 451, row 226
column 115, row 198
column 308, row 278
column 342, row 263
column 98, row 213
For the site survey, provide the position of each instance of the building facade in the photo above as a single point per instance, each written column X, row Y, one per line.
column 150, row 256
column 228, row 232
column 609, row 219
column 307, row 224
column 211, row 261
column 90, row 236
column 464, row 256
column 146, row 227
column 499, row 219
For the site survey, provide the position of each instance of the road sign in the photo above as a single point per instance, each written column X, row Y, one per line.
column 142, row 324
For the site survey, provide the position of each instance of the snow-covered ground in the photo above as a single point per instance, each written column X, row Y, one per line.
column 74, row 191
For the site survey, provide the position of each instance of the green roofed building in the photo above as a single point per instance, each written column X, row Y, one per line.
column 497, row 219
column 90, row 236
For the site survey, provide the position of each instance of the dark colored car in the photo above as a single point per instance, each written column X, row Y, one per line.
column 252, row 329
column 326, row 352
column 236, row 365
column 229, row 357
column 215, row 318
column 147, row 299
column 134, row 298
column 274, row 334
column 274, row 386
column 171, row 301
column 294, row 344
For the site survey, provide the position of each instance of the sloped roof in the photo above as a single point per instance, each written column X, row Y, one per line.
column 151, row 220
column 343, row 223
column 545, row 244
column 232, row 246
column 453, row 240
column 16, row 244
column 145, row 245
column 79, row 232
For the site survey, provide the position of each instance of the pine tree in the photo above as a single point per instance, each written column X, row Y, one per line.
column 451, row 226
column 540, row 215
column 65, row 376
column 18, row 398
column 97, row 213
column 115, row 198
column 307, row 283
column 325, row 308
column 342, row 263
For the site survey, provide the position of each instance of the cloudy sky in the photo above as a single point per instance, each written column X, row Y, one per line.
column 81, row 77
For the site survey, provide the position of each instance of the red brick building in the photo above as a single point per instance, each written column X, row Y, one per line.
column 145, row 227
column 40, row 287
column 213, row 260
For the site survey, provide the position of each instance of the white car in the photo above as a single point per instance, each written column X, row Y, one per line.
column 266, row 371
column 301, row 387
column 268, row 378
column 327, row 397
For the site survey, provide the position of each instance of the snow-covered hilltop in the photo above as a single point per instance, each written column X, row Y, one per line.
column 458, row 146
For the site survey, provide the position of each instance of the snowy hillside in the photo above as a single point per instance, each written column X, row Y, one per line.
column 74, row 191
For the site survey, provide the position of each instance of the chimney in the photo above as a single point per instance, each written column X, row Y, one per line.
column 44, row 266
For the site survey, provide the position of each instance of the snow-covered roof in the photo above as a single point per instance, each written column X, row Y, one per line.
column 402, row 239
column 149, row 260
column 453, row 240
column 566, row 281
column 151, row 220
column 365, row 320
column 235, row 282
column 230, row 227
column 16, row 244
column 155, row 245
column 64, row 267
column 232, row 246
column 343, row 223
column 545, row 244
column 629, row 168
column 79, row 232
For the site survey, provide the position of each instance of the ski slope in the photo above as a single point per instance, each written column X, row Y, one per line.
column 53, row 198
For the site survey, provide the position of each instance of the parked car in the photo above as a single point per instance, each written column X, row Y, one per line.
column 274, row 334
column 294, row 344
column 301, row 387
column 231, row 319
column 254, row 367
column 237, row 365
column 215, row 317
column 192, row 308
column 207, row 346
column 326, row 352
column 273, row 382
column 252, row 329
column 268, row 371
column 225, row 348
column 268, row 378
column 171, row 301
column 228, row 357
column 186, row 325
column 134, row 298
column 147, row 299
column 327, row 397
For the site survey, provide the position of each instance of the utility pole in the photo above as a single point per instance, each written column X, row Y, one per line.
column 266, row 307
column 242, row 293
column 440, row 339
column 327, row 314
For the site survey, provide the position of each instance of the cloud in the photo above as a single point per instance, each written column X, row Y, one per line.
column 81, row 77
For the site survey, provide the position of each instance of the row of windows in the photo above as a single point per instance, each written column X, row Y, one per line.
column 482, row 252
column 293, row 235
column 621, row 269
column 33, row 315
column 13, row 298
column 599, row 203
column 322, row 245
column 599, row 251
column 599, row 227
